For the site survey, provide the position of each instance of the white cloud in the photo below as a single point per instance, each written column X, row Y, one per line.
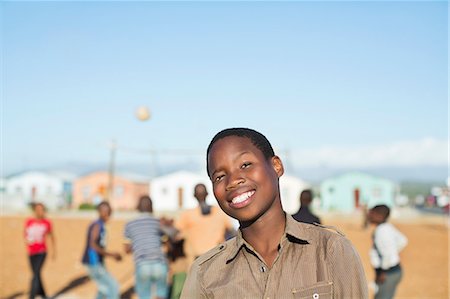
column 427, row 151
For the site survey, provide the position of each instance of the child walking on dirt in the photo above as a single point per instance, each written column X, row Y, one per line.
column 384, row 255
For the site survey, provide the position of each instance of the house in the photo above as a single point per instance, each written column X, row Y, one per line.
column 94, row 188
column 49, row 187
column 353, row 190
column 290, row 189
column 175, row 191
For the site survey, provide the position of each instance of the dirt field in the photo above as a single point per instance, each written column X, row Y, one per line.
column 425, row 260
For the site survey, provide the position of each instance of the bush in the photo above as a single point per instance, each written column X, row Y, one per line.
column 87, row 206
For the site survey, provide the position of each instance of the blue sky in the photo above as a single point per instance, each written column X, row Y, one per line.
column 352, row 83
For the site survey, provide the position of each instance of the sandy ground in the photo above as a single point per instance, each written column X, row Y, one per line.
column 425, row 260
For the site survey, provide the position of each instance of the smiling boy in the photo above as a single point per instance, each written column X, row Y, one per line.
column 273, row 256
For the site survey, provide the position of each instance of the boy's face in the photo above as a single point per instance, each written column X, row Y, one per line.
column 200, row 193
column 245, row 183
column 104, row 212
column 39, row 211
column 375, row 218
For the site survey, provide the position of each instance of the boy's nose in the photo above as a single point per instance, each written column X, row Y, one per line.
column 234, row 181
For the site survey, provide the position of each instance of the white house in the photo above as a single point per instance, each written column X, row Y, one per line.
column 176, row 191
column 290, row 188
column 51, row 188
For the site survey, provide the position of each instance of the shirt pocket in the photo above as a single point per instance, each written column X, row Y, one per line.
column 320, row 290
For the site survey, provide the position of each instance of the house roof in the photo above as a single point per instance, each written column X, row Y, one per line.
column 129, row 176
column 357, row 174
column 59, row 174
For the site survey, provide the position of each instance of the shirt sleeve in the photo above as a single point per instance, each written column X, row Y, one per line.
column 192, row 288
column 347, row 273
column 402, row 241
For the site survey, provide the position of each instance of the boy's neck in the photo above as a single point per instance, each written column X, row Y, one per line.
column 266, row 232
column 379, row 223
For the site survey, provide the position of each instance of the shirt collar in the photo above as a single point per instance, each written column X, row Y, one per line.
column 294, row 233
column 144, row 214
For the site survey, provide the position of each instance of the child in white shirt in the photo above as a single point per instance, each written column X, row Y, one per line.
column 384, row 255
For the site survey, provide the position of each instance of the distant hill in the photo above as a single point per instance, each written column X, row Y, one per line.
column 412, row 189
column 424, row 174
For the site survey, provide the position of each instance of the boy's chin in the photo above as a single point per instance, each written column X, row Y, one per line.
column 247, row 220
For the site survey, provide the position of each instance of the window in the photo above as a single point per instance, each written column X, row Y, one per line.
column 376, row 192
column 86, row 191
column 19, row 190
column 119, row 191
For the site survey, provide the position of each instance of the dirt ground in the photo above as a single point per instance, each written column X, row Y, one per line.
column 425, row 260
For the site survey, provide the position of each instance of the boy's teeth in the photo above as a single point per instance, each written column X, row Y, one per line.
column 242, row 197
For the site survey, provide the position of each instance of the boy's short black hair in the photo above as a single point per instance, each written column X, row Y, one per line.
column 382, row 210
column 145, row 204
column 103, row 203
column 33, row 205
column 258, row 140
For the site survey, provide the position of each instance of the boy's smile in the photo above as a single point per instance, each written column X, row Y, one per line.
column 245, row 183
column 242, row 200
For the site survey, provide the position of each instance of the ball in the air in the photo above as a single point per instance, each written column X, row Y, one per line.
column 142, row 113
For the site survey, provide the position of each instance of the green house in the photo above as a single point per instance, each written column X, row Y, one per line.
column 352, row 190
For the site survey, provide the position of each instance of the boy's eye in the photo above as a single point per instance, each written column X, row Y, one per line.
column 245, row 165
column 218, row 178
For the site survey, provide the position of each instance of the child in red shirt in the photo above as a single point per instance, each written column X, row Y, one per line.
column 36, row 231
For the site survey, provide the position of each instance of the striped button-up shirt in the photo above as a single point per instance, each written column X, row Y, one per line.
column 312, row 262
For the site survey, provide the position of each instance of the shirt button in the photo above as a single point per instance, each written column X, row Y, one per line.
column 263, row 269
column 316, row 296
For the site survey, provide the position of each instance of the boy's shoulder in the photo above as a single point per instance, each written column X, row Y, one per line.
column 217, row 253
column 323, row 239
column 327, row 230
column 312, row 232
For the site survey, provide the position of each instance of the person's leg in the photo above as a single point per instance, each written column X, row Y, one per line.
column 96, row 273
column 37, row 261
column 113, row 290
column 387, row 289
column 33, row 283
column 159, row 278
column 40, row 264
column 178, row 280
column 142, row 281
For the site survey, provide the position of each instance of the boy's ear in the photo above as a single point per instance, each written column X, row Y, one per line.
column 277, row 165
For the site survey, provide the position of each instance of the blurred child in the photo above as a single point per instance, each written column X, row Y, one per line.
column 273, row 256
column 384, row 255
column 143, row 239
column 202, row 227
column 95, row 252
column 304, row 213
column 37, row 229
